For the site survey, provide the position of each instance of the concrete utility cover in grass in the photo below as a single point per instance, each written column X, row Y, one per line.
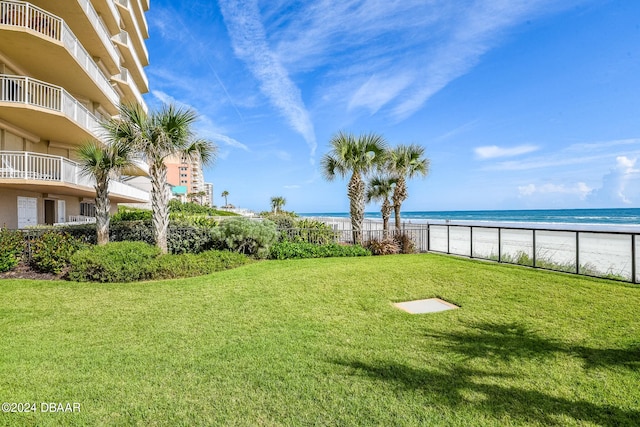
column 431, row 305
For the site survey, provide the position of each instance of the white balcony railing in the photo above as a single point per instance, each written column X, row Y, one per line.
column 25, row 15
column 45, row 167
column 126, row 77
column 126, row 4
column 100, row 28
column 124, row 38
column 25, row 90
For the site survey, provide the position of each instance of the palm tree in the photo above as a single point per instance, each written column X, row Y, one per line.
column 225, row 194
column 103, row 163
column 355, row 156
column 157, row 136
column 380, row 188
column 277, row 203
column 405, row 162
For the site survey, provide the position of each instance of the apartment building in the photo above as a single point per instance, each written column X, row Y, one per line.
column 187, row 178
column 64, row 66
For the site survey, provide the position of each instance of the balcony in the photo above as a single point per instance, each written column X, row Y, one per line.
column 88, row 27
column 131, row 58
column 46, row 110
column 129, row 88
column 109, row 14
column 43, row 44
column 44, row 173
column 131, row 25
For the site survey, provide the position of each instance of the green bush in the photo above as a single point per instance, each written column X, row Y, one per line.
column 189, row 265
column 194, row 208
column 126, row 213
column 114, row 262
column 184, row 238
column 11, row 249
column 299, row 250
column 134, row 261
column 309, row 231
column 51, row 251
column 245, row 236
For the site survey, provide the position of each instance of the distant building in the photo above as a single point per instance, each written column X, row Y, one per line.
column 64, row 66
column 183, row 172
column 208, row 189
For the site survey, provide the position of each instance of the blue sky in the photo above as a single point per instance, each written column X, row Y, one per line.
column 520, row 104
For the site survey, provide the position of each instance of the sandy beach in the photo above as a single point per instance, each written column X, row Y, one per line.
column 593, row 249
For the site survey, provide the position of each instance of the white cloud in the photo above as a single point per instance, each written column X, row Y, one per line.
column 377, row 91
column 579, row 189
column 249, row 41
column 292, row 187
column 493, row 151
column 616, row 189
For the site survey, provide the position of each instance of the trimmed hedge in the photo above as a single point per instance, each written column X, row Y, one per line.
column 135, row 261
column 11, row 249
column 291, row 250
column 51, row 252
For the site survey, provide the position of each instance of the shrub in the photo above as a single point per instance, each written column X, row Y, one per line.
column 126, row 213
column 114, row 262
column 189, row 265
column 406, row 243
column 386, row 246
column 299, row 250
column 51, row 251
column 245, row 236
column 11, row 249
column 185, row 238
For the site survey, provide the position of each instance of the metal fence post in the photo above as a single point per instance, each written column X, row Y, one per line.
column 499, row 244
column 471, row 242
column 533, row 245
column 633, row 259
column 577, row 252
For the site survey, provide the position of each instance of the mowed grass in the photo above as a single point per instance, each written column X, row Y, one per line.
column 318, row 342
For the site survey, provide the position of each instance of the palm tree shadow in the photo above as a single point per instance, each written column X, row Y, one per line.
column 515, row 341
column 451, row 386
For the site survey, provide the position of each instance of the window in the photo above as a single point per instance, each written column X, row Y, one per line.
column 87, row 209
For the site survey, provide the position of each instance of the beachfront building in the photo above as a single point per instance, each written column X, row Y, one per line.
column 64, row 66
column 186, row 178
column 208, row 190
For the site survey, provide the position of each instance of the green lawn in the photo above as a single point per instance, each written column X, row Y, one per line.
column 317, row 342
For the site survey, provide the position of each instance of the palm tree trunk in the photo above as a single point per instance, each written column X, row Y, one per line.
column 102, row 211
column 160, row 205
column 399, row 196
column 355, row 190
column 386, row 213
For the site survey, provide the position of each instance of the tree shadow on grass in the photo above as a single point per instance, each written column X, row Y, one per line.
column 452, row 386
column 514, row 341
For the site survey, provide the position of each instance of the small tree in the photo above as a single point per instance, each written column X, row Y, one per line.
column 103, row 163
column 380, row 188
column 405, row 162
column 277, row 203
column 225, row 194
column 357, row 156
column 156, row 136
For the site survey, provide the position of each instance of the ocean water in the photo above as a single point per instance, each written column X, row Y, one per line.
column 609, row 217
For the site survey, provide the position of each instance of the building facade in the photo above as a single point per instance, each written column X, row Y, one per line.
column 183, row 172
column 64, row 66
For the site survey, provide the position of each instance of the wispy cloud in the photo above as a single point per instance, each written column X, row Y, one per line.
column 248, row 37
column 292, row 187
column 493, row 151
column 204, row 127
column 392, row 54
column 580, row 189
